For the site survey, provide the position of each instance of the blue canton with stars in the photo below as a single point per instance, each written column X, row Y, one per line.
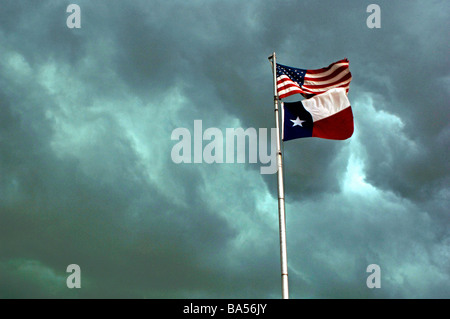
column 296, row 75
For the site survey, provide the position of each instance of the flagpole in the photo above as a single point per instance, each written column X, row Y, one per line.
column 281, row 208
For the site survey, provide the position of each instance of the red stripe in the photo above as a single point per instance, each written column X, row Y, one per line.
column 327, row 68
column 330, row 76
column 282, row 96
column 308, row 89
column 282, row 80
column 321, row 86
column 287, row 86
column 339, row 126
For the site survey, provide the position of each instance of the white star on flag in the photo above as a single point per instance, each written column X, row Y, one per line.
column 297, row 121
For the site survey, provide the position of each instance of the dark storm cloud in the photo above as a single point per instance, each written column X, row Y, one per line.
column 416, row 93
column 86, row 175
column 60, row 214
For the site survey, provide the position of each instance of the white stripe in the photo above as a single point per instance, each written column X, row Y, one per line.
column 333, row 79
column 329, row 87
column 287, row 81
column 326, row 104
column 328, row 72
column 282, row 92
column 280, row 87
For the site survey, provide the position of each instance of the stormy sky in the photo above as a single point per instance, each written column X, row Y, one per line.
column 87, row 178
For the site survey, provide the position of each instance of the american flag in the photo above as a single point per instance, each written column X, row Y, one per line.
column 312, row 82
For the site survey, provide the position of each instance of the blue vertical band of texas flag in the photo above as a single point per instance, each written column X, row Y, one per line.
column 327, row 115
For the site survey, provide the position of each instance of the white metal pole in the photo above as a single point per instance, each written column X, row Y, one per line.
column 281, row 209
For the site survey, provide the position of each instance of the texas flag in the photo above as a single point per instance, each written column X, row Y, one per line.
column 327, row 115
